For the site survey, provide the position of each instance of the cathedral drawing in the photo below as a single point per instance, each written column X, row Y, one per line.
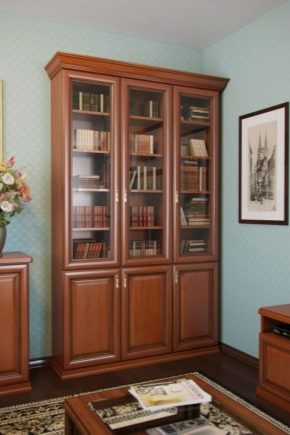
column 262, row 171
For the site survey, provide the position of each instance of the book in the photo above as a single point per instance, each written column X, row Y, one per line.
column 161, row 396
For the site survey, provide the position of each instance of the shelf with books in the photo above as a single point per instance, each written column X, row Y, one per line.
column 145, row 103
column 194, row 108
column 193, row 246
column 144, row 248
column 86, row 139
column 86, row 249
column 147, row 154
column 145, row 178
column 90, row 98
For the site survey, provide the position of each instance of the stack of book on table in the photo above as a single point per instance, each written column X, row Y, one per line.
column 160, row 409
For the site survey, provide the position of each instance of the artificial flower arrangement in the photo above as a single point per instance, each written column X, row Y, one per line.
column 14, row 191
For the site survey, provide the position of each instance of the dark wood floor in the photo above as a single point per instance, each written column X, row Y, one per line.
column 233, row 374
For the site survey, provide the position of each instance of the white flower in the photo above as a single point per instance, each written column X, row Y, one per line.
column 8, row 179
column 6, row 206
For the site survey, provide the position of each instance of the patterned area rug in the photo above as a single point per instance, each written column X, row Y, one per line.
column 47, row 417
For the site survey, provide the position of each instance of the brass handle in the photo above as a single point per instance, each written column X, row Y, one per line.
column 176, row 197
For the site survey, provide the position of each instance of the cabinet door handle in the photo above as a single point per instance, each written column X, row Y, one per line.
column 125, row 197
column 116, row 282
column 125, row 282
column 116, row 195
column 176, row 277
column 176, row 197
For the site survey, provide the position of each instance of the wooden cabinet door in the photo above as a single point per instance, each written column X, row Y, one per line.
column 14, row 328
column 195, row 175
column 195, row 306
column 146, row 311
column 146, row 172
column 91, row 318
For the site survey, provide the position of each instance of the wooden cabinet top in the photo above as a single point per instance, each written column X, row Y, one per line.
column 75, row 62
column 14, row 258
column 277, row 312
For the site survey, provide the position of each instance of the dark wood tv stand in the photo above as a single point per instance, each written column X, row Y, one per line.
column 274, row 363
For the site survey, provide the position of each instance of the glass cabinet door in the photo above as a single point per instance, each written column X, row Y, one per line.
column 195, row 159
column 146, row 178
column 93, row 191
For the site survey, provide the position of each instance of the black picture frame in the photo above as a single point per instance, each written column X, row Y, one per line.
column 263, row 166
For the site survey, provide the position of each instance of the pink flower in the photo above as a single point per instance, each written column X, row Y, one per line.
column 10, row 162
column 25, row 192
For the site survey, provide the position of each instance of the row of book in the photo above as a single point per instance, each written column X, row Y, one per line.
column 89, row 182
column 87, row 249
column 142, row 143
column 188, row 246
column 194, row 176
column 198, row 112
column 91, row 216
column 191, row 218
column 189, row 113
column 91, row 140
column 142, row 216
column 144, row 248
column 145, row 178
column 92, row 102
column 193, row 147
column 143, row 107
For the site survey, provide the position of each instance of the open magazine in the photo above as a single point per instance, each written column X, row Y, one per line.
column 182, row 392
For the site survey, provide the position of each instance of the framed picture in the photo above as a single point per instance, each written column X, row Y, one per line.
column 263, row 166
column 1, row 120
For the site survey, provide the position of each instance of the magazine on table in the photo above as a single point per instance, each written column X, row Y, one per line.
column 197, row 426
column 160, row 396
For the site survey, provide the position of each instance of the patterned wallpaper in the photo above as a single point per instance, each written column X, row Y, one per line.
column 255, row 258
column 26, row 46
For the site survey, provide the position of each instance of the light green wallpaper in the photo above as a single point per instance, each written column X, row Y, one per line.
column 26, row 45
column 255, row 258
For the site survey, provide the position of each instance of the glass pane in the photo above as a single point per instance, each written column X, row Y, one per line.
column 195, row 216
column 146, row 154
column 91, row 171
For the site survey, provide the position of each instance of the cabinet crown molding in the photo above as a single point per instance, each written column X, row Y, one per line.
column 76, row 62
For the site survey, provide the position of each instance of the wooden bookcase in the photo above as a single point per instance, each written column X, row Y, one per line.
column 14, row 323
column 135, row 170
column 274, row 358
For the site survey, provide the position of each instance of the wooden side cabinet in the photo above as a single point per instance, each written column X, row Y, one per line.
column 14, row 373
column 274, row 363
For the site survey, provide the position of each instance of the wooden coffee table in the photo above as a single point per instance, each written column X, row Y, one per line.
column 80, row 419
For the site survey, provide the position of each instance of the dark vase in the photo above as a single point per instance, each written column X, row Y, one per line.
column 2, row 239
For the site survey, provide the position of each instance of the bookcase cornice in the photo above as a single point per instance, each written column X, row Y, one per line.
column 76, row 62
